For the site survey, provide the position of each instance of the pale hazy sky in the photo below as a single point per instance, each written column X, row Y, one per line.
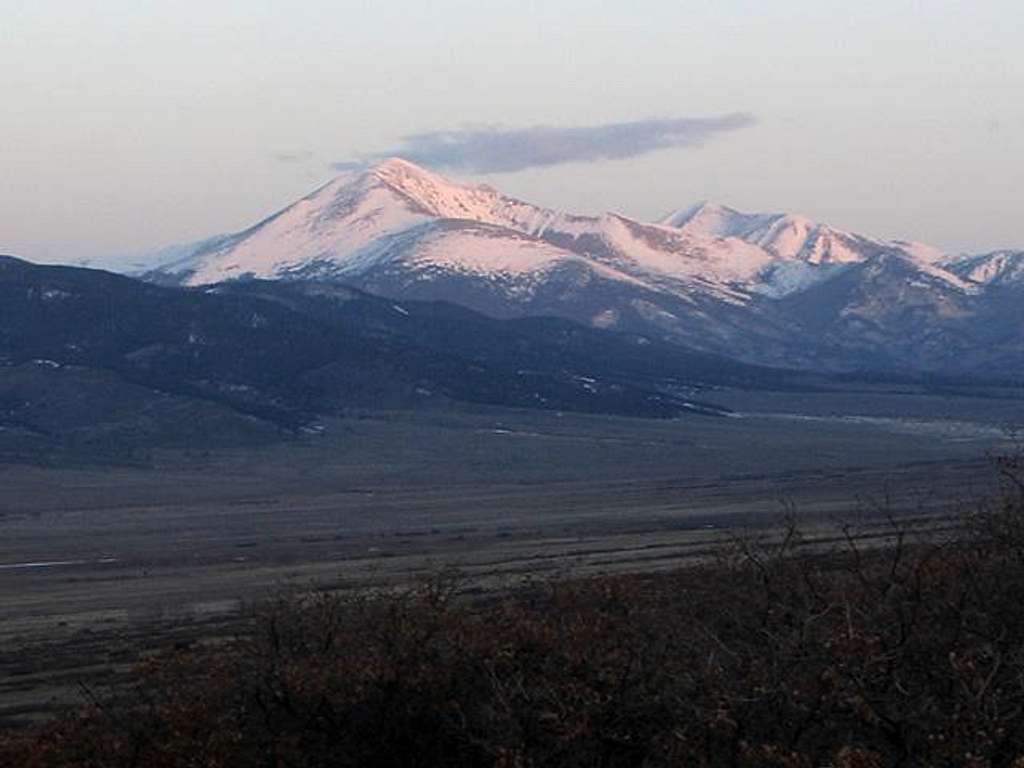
column 132, row 124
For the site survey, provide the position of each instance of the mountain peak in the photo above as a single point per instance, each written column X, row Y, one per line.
column 699, row 209
column 394, row 161
column 397, row 165
column 710, row 219
column 709, row 274
column 424, row 192
column 710, row 207
column 429, row 192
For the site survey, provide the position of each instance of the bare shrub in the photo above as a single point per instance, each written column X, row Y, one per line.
column 779, row 653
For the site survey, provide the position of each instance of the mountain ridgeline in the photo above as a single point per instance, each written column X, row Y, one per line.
column 770, row 289
column 394, row 288
column 90, row 350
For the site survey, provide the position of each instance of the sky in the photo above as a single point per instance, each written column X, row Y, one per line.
column 128, row 125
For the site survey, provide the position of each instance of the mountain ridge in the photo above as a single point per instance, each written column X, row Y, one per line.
column 709, row 276
column 260, row 357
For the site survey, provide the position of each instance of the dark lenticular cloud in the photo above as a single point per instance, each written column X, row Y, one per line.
column 503, row 150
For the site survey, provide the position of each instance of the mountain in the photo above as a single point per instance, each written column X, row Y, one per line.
column 94, row 361
column 1004, row 268
column 400, row 220
column 775, row 289
column 784, row 236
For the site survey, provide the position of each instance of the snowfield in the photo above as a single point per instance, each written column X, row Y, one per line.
column 771, row 288
column 399, row 215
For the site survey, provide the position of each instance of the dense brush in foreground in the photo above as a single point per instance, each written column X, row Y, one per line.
column 912, row 655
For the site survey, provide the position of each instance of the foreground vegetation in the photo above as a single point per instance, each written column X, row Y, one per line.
column 772, row 655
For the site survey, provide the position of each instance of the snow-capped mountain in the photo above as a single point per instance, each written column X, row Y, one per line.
column 775, row 288
column 785, row 236
column 399, row 215
column 996, row 268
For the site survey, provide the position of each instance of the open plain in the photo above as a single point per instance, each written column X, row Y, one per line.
column 101, row 564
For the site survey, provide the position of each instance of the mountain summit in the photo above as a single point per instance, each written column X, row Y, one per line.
column 771, row 288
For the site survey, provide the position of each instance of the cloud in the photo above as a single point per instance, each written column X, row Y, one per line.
column 497, row 149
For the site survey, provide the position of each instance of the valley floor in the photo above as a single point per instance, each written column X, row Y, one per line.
column 99, row 564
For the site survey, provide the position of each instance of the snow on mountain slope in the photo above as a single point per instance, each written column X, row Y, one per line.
column 795, row 237
column 342, row 217
column 763, row 287
column 665, row 257
column 937, row 273
column 392, row 213
column 360, row 220
column 921, row 252
column 783, row 278
column 785, row 236
column 398, row 213
column 468, row 249
column 440, row 198
column 996, row 268
column 709, row 219
column 805, row 252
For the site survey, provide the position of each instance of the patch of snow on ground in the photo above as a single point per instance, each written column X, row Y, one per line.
column 787, row 277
